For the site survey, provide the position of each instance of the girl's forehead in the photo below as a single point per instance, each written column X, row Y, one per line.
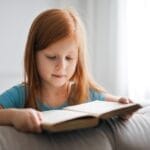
column 65, row 45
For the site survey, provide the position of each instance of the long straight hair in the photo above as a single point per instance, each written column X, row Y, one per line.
column 49, row 27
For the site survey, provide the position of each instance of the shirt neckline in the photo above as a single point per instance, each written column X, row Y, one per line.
column 42, row 106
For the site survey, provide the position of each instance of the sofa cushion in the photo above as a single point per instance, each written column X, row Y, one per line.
column 85, row 139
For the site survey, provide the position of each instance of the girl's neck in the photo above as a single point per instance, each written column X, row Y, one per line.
column 53, row 96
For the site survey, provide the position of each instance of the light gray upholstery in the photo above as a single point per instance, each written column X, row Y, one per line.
column 113, row 134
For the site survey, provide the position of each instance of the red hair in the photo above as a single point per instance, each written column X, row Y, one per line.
column 47, row 28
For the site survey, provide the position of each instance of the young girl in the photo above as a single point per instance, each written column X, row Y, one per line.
column 56, row 73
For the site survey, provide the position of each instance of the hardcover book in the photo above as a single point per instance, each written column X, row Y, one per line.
column 84, row 115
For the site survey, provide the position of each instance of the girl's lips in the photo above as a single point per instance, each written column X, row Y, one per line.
column 58, row 76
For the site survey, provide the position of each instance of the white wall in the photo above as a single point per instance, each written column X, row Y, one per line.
column 16, row 17
column 100, row 20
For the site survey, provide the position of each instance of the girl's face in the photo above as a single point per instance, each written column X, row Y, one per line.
column 56, row 64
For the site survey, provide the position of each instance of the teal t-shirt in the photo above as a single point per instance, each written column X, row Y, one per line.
column 15, row 98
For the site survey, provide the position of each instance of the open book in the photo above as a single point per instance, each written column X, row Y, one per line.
column 84, row 115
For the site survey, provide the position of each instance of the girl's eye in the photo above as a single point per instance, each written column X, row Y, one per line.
column 51, row 57
column 69, row 58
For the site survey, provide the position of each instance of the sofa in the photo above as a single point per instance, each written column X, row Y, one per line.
column 111, row 134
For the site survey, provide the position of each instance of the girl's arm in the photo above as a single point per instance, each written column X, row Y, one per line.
column 6, row 116
column 27, row 120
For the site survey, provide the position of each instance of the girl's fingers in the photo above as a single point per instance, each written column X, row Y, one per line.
column 37, row 126
column 34, row 122
column 40, row 116
column 130, row 101
column 124, row 100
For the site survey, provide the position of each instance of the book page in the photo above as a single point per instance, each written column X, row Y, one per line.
column 57, row 116
column 98, row 107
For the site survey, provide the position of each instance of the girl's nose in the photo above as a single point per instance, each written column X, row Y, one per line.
column 61, row 64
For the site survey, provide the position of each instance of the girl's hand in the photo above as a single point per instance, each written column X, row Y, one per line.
column 27, row 120
column 125, row 100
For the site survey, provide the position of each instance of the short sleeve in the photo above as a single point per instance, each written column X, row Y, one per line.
column 13, row 97
column 94, row 95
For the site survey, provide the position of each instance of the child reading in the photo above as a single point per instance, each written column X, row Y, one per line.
column 56, row 73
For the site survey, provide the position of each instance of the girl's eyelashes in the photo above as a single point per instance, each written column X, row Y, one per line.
column 51, row 57
column 69, row 58
column 55, row 57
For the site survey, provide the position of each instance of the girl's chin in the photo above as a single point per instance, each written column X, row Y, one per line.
column 58, row 84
